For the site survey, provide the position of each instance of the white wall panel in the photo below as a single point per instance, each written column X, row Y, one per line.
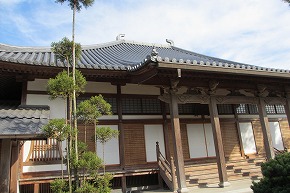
column 42, row 168
column 111, row 148
column 196, row 140
column 248, row 138
column 152, row 134
column 37, row 85
column 140, row 89
column 209, row 140
column 100, row 87
column 276, row 135
column 57, row 106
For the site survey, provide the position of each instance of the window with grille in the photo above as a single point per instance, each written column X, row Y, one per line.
column 253, row 109
column 45, row 150
column 141, row 106
column 225, row 109
column 270, row 109
column 280, row 109
column 242, row 109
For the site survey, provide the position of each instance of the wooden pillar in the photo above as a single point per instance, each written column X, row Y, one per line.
column 239, row 130
column 287, row 106
column 177, row 144
column 217, row 135
column 265, row 129
column 287, row 110
column 165, row 128
column 24, row 92
column 121, row 136
column 5, row 165
column 36, row 188
column 14, row 167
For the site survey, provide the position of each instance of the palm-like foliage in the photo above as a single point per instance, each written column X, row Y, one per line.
column 77, row 3
column 287, row 1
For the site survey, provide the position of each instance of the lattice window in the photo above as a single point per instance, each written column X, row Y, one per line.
column 242, row 109
column 113, row 102
column 44, row 150
column 253, row 109
column 185, row 109
column 270, row 109
column 141, row 106
column 131, row 106
column 225, row 109
column 151, row 106
column 280, row 109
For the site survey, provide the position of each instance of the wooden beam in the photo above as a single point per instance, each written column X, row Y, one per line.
column 265, row 129
column 121, row 135
column 287, row 110
column 14, row 167
column 205, row 99
column 5, row 165
column 36, row 188
column 177, row 144
column 165, row 128
column 220, row 155
column 24, row 92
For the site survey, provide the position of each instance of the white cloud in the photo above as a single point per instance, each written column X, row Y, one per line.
column 253, row 31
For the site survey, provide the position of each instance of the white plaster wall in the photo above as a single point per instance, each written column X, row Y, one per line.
column 142, row 117
column 276, row 135
column 101, row 87
column 152, row 134
column 37, row 85
column 57, row 106
column 26, row 149
column 209, row 140
column 248, row 139
column 111, row 148
column 196, row 140
column 42, row 168
column 140, row 89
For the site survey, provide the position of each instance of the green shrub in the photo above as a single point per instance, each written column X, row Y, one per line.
column 276, row 176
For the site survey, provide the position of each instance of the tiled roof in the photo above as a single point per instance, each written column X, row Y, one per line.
column 22, row 120
column 121, row 55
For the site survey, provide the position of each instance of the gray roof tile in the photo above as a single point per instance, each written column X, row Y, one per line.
column 22, row 120
column 121, row 55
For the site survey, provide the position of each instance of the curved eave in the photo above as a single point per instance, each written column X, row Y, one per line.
column 224, row 68
column 50, row 71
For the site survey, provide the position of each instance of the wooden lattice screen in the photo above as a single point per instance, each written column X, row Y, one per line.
column 45, row 150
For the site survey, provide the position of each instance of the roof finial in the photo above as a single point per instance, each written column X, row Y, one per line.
column 120, row 37
column 154, row 54
column 171, row 42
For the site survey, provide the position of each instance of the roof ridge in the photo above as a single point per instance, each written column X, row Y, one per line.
column 116, row 42
column 12, row 48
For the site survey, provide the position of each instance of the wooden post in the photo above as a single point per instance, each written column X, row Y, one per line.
column 36, row 188
column 165, row 128
column 24, row 92
column 160, row 182
column 287, row 106
column 121, row 136
column 173, row 174
column 266, row 129
column 220, row 155
column 177, row 144
column 239, row 130
column 14, row 167
column 5, row 165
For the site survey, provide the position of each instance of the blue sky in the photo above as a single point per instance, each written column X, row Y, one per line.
column 248, row 31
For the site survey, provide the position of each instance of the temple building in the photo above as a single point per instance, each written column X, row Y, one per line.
column 215, row 120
